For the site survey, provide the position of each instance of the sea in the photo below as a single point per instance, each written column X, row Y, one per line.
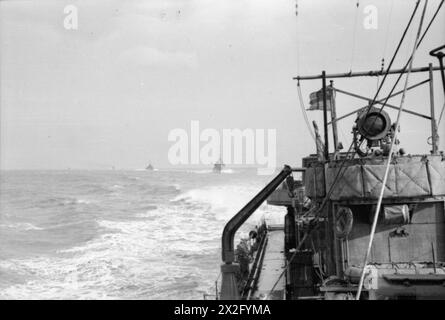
column 117, row 234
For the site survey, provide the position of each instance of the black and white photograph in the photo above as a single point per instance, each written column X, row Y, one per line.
column 232, row 152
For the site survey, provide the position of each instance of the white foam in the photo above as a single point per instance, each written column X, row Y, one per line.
column 83, row 201
column 200, row 171
column 226, row 200
column 139, row 252
column 72, row 201
column 21, row 226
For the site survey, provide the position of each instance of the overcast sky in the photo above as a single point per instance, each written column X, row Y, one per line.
column 108, row 93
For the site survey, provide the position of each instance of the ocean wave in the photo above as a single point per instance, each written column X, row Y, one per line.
column 205, row 171
column 67, row 224
column 226, row 200
column 157, row 237
column 64, row 278
column 62, row 201
column 218, row 197
column 21, row 226
column 133, row 178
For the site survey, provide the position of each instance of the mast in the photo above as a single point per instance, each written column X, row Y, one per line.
column 432, row 112
column 333, row 117
column 325, row 118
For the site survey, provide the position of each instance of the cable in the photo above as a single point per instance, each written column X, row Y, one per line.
column 407, row 63
column 352, row 144
column 389, row 67
column 387, row 29
column 441, row 114
column 381, row 85
column 431, row 21
column 298, row 38
column 300, row 96
column 394, row 56
column 381, row 71
column 391, row 151
column 349, row 151
column 409, row 60
column 303, row 110
column 386, row 43
column 354, row 34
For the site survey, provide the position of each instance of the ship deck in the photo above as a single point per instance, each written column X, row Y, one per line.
column 272, row 267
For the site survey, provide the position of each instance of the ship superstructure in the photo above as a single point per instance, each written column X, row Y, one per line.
column 218, row 166
column 363, row 223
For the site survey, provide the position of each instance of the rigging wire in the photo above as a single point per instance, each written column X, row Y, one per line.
column 297, row 36
column 441, row 114
column 388, row 25
column 340, row 173
column 391, row 152
column 409, row 60
column 406, row 65
column 390, row 64
column 431, row 21
column 303, row 110
column 394, row 57
column 354, row 31
column 300, row 96
column 387, row 29
column 389, row 95
column 380, row 87
column 378, row 77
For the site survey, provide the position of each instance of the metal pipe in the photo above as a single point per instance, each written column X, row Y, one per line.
column 434, row 257
column 228, row 254
column 432, row 112
column 375, row 73
column 216, row 289
column 256, row 269
column 440, row 55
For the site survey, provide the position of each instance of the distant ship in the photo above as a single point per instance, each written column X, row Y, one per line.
column 218, row 166
column 149, row 167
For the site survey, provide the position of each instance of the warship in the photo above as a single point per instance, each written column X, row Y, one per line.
column 363, row 223
column 218, row 166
